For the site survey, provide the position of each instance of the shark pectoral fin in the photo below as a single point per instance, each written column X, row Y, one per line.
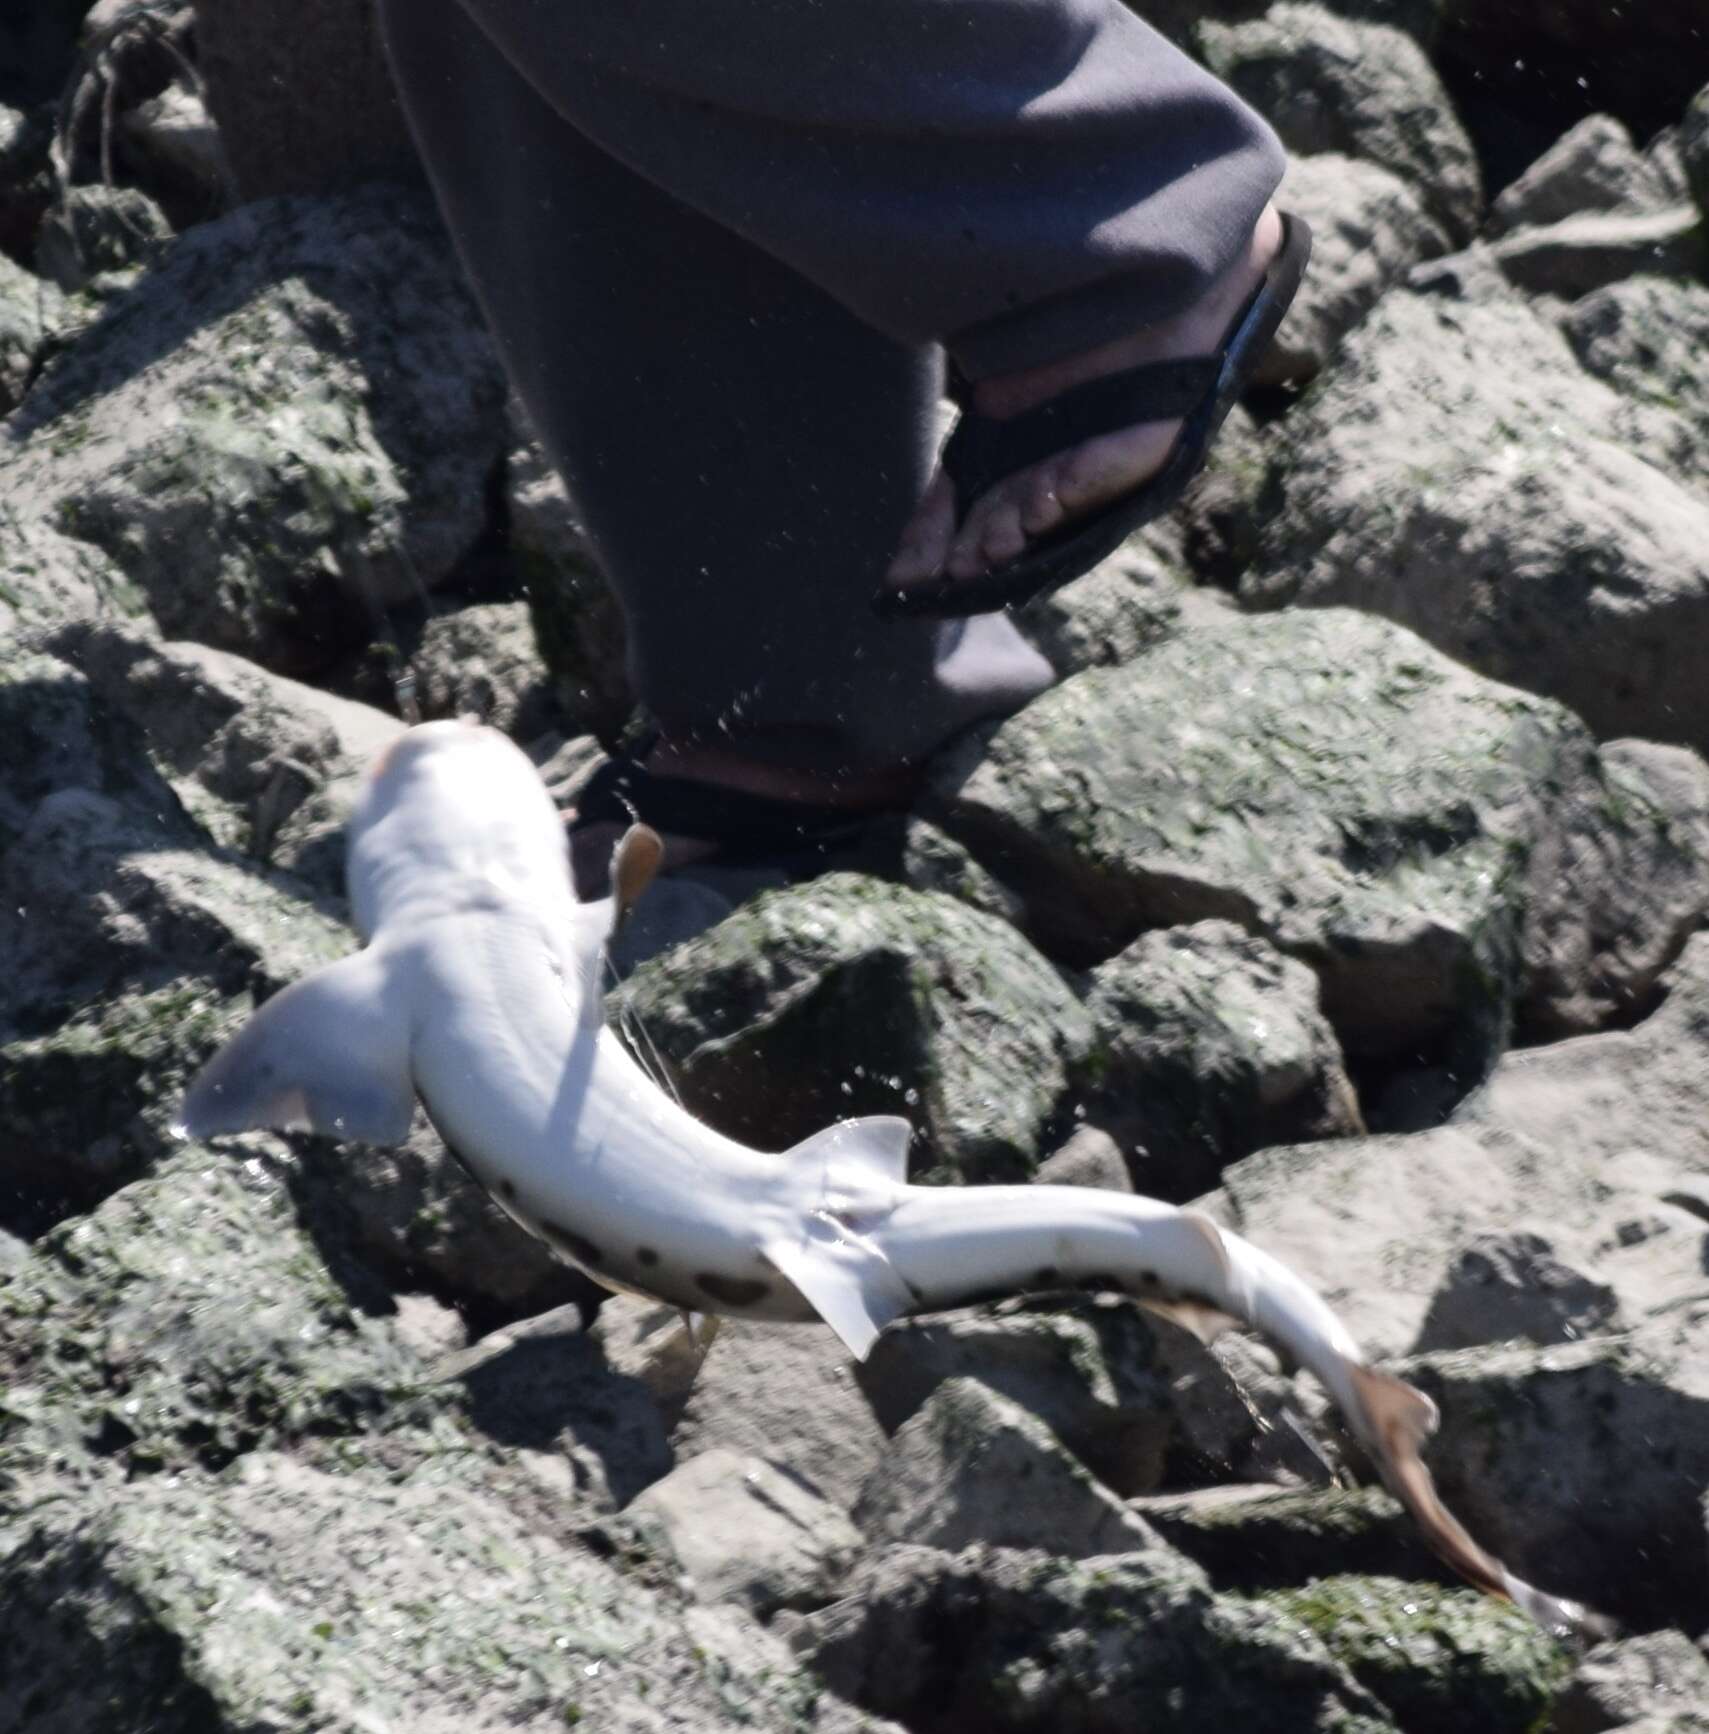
column 330, row 1053
column 1198, row 1318
column 848, row 1282
column 635, row 864
column 876, row 1145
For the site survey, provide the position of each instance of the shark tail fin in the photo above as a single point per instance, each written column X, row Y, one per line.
column 839, row 1270
column 329, row 1053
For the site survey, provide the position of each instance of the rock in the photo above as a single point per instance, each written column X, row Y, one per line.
column 1359, row 89
column 1000, row 1640
column 934, row 861
column 1573, row 1462
column 1593, row 166
column 578, row 624
column 285, row 1597
column 654, row 1343
column 785, row 1393
column 1694, row 148
column 1583, row 253
column 1657, row 1674
column 1598, row 1143
column 29, row 309
column 1369, row 227
column 1280, row 787
column 481, row 662
column 1094, row 1375
column 1122, row 606
column 219, row 436
column 1435, row 1658
column 303, row 96
column 971, row 1466
column 848, row 996
column 743, row 1532
column 542, row 1387
column 1524, row 519
column 1258, row 1537
column 1648, row 338
column 1505, row 1286
column 1208, row 1044
column 177, row 150
column 92, row 231
column 1089, row 1158
column 27, row 183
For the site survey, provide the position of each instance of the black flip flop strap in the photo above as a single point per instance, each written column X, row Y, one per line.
column 983, row 450
column 737, row 822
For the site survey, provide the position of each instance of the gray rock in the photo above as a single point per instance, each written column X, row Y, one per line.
column 849, row 996
column 971, row 1466
column 1095, row 1375
column 1526, row 518
column 30, row 308
column 1360, row 89
column 481, row 662
column 577, row 622
column 1506, row 1286
column 1369, row 227
column 1593, row 166
column 1694, row 148
column 92, row 231
column 1658, row 1674
column 1581, row 254
column 744, row 1532
column 1278, row 785
column 932, row 860
column 1256, row 1537
column 284, row 1597
column 1602, row 1139
column 1575, row 1463
column 1000, row 1640
column 1207, row 1045
column 176, row 149
column 1122, row 606
column 1089, row 1158
column 654, row 1343
column 786, row 1393
column 1648, row 338
column 218, row 434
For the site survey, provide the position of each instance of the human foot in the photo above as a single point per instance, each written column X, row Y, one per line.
column 725, row 807
column 1072, row 483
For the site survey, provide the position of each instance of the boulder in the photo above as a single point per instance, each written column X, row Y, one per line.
column 849, row 996
column 482, row 662
column 97, row 237
column 1694, row 149
column 1593, row 166
column 1207, row 1045
column 1328, row 83
column 1597, row 1144
column 744, row 1532
column 972, row 1466
column 1506, row 1286
column 30, row 307
column 284, row 1596
column 1279, row 786
column 1657, row 1674
column 220, row 436
column 1583, row 253
column 1369, row 228
column 1526, row 519
column 1002, row 1640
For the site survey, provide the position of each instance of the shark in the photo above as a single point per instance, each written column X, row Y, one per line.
column 478, row 992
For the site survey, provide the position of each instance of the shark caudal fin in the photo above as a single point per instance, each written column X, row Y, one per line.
column 329, row 1053
column 839, row 1270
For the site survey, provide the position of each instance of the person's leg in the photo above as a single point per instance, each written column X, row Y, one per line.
column 743, row 447
column 1046, row 186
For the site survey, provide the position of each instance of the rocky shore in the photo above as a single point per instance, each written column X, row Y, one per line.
column 1352, row 881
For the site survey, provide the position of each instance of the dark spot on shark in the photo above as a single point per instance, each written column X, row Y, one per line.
column 1047, row 1277
column 647, row 1256
column 732, row 1291
column 1150, row 1279
column 578, row 1246
column 508, row 1188
column 1103, row 1283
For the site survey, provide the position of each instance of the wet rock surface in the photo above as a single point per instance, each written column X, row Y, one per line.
column 299, row 1435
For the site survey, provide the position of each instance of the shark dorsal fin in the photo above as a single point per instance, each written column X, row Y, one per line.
column 876, row 1145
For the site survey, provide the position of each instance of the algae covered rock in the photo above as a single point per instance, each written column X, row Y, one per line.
column 1208, row 1044
column 849, row 996
column 218, row 433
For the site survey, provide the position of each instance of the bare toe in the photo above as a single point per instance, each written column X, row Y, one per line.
column 1041, row 510
column 1003, row 538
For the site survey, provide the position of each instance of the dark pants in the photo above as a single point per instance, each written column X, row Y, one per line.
column 724, row 246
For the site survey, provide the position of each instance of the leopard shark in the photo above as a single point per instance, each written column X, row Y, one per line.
column 478, row 993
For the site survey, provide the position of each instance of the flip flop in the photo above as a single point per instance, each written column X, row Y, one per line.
column 1200, row 390
column 744, row 829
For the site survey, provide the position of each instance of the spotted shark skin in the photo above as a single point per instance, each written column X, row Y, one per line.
column 478, row 994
